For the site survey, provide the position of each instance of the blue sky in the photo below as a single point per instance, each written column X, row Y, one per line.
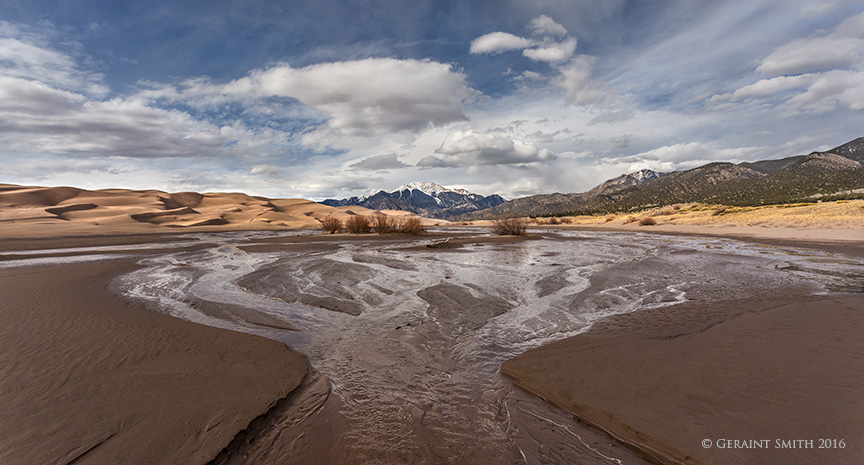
column 336, row 98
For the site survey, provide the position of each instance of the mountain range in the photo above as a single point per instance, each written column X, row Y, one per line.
column 423, row 198
column 836, row 173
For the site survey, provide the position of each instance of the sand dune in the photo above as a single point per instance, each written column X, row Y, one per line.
column 47, row 211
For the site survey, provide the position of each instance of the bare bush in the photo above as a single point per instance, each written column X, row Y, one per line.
column 510, row 226
column 358, row 224
column 331, row 225
column 383, row 224
column 411, row 225
column 647, row 221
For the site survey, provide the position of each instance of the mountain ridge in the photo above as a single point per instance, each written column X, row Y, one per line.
column 425, row 198
column 786, row 180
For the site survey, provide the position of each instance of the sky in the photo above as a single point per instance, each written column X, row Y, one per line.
column 334, row 98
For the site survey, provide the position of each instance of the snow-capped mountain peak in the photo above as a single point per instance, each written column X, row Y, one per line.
column 644, row 175
column 424, row 198
column 429, row 188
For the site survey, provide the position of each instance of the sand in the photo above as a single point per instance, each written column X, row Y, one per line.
column 664, row 380
column 89, row 377
column 27, row 211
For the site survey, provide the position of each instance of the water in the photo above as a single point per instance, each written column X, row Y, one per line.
column 406, row 341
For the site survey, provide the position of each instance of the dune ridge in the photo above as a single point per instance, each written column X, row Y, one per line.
column 42, row 211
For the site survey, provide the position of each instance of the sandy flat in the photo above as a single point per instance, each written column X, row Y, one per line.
column 664, row 380
column 91, row 378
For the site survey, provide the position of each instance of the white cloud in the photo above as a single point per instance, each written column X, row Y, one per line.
column 387, row 161
column 544, row 25
column 26, row 56
column 469, row 148
column 358, row 98
column 264, row 170
column 831, row 89
column 767, row 87
column 576, row 81
column 552, row 52
column 497, row 42
column 38, row 118
column 808, row 55
column 815, row 74
column 684, row 156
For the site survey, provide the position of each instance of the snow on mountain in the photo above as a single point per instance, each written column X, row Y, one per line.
column 424, row 198
column 429, row 188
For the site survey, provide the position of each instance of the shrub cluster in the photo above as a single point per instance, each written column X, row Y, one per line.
column 358, row 224
column 510, row 226
column 411, row 225
column 383, row 224
column 331, row 225
column 647, row 221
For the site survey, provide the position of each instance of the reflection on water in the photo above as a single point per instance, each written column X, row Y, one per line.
column 408, row 340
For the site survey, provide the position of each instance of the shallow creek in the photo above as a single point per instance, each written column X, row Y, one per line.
column 405, row 342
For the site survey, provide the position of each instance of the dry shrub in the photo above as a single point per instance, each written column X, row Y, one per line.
column 553, row 220
column 358, row 224
column 510, row 226
column 631, row 219
column 566, row 220
column 411, row 225
column 718, row 211
column 647, row 221
column 383, row 224
column 664, row 213
column 331, row 225
column 612, row 218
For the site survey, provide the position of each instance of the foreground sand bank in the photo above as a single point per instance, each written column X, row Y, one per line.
column 665, row 380
column 91, row 378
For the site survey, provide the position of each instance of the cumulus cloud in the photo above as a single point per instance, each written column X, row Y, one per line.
column 497, row 42
column 544, row 25
column 358, row 98
column 814, row 74
column 553, row 47
column 552, row 52
column 469, row 148
column 387, row 161
column 38, row 118
column 808, row 55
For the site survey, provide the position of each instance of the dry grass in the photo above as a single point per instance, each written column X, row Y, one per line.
column 358, row 224
column 331, row 225
column 509, row 226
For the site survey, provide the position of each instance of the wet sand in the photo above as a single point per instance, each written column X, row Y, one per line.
column 89, row 377
column 413, row 355
column 787, row 366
